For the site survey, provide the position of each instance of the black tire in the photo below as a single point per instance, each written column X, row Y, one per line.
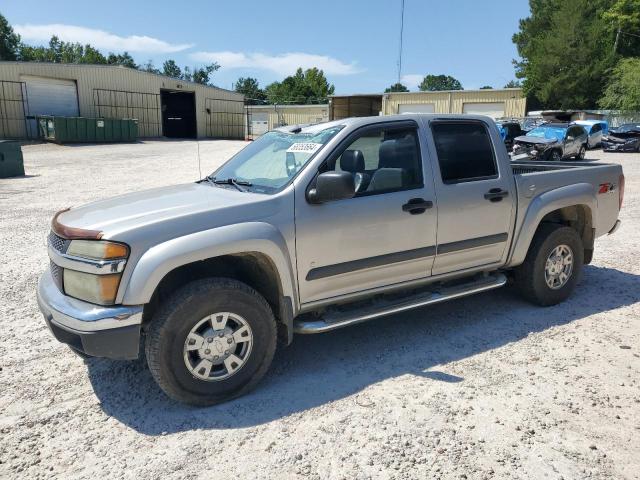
column 553, row 155
column 581, row 153
column 181, row 312
column 530, row 276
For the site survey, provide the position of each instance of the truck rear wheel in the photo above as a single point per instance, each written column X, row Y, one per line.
column 552, row 266
column 213, row 340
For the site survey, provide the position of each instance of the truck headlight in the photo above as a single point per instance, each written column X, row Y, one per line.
column 97, row 277
column 100, row 289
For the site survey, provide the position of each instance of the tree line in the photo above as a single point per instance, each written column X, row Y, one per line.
column 580, row 54
column 439, row 83
column 13, row 49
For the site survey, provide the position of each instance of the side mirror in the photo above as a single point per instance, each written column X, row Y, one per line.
column 332, row 186
column 570, row 138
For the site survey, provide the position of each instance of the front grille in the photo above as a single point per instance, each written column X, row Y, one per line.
column 58, row 243
column 56, row 273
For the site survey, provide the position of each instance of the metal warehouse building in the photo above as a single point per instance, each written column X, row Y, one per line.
column 507, row 102
column 162, row 105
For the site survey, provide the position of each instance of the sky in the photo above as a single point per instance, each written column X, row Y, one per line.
column 355, row 42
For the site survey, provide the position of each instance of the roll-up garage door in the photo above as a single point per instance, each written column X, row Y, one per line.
column 416, row 108
column 493, row 110
column 51, row 96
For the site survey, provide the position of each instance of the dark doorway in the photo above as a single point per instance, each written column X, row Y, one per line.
column 178, row 114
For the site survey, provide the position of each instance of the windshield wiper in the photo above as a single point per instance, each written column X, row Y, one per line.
column 231, row 181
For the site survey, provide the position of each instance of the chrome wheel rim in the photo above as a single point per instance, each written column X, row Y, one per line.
column 555, row 156
column 218, row 346
column 558, row 267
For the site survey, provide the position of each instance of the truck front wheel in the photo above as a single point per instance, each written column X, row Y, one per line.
column 552, row 266
column 211, row 341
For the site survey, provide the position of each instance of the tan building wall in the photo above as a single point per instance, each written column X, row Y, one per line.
column 118, row 92
column 454, row 101
column 277, row 115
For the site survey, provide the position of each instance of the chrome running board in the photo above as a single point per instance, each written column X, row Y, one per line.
column 338, row 318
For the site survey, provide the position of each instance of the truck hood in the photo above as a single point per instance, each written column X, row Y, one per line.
column 534, row 140
column 194, row 206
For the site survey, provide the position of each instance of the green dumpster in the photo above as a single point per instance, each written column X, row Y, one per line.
column 11, row 162
column 87, row 130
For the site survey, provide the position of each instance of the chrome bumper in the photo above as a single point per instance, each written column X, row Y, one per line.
column 112, row 332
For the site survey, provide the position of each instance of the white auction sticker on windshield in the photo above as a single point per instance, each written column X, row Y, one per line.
column 304, row 147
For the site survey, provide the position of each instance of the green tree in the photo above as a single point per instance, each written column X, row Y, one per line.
column 566, row 50
column 513, row 84
column 9, row 41
column 624, row 16
column 434, row 83
column 150, row 67
column 623, row 92
column 396, row 87
column 251, row 90
column 123, row 59
column 61, row 52
column 171, row 69
column 201, row 75
column 486, row 87
column 306, row 87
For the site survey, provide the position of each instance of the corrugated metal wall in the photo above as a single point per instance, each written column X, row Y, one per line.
column 290, row 114
column 133, row 86
column 355, row 106
column 453, row 101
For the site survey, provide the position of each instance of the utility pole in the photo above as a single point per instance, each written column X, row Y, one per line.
column 401, row 34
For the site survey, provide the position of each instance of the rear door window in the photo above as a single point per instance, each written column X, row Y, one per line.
column 465, row 152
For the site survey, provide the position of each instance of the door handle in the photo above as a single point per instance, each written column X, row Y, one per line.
column 496, row 194
column 416, row 206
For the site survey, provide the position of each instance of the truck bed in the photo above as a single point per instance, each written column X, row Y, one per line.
column 535, row 178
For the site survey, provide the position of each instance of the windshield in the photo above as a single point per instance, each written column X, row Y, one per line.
column 550, row 133
column 267, row 164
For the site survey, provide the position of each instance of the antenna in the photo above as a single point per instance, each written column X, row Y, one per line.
column 199, row 169
column 401, row 34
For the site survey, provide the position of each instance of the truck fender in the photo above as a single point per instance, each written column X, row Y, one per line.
column 161, row 259
column 568, row 196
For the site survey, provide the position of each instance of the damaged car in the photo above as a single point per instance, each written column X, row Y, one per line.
column 625, row 138
column 551, row 141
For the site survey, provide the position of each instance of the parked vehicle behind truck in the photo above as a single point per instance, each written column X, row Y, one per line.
column 311, row 229
column 552, row 141
column 625, row 138
column 595, row 129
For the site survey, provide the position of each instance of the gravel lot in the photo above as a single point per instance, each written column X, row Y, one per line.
column 484, row 387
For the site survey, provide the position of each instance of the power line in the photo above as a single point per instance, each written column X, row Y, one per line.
column 401, row 34
column 627, row 33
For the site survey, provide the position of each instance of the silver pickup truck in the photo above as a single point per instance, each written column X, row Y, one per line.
column 314, row 228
